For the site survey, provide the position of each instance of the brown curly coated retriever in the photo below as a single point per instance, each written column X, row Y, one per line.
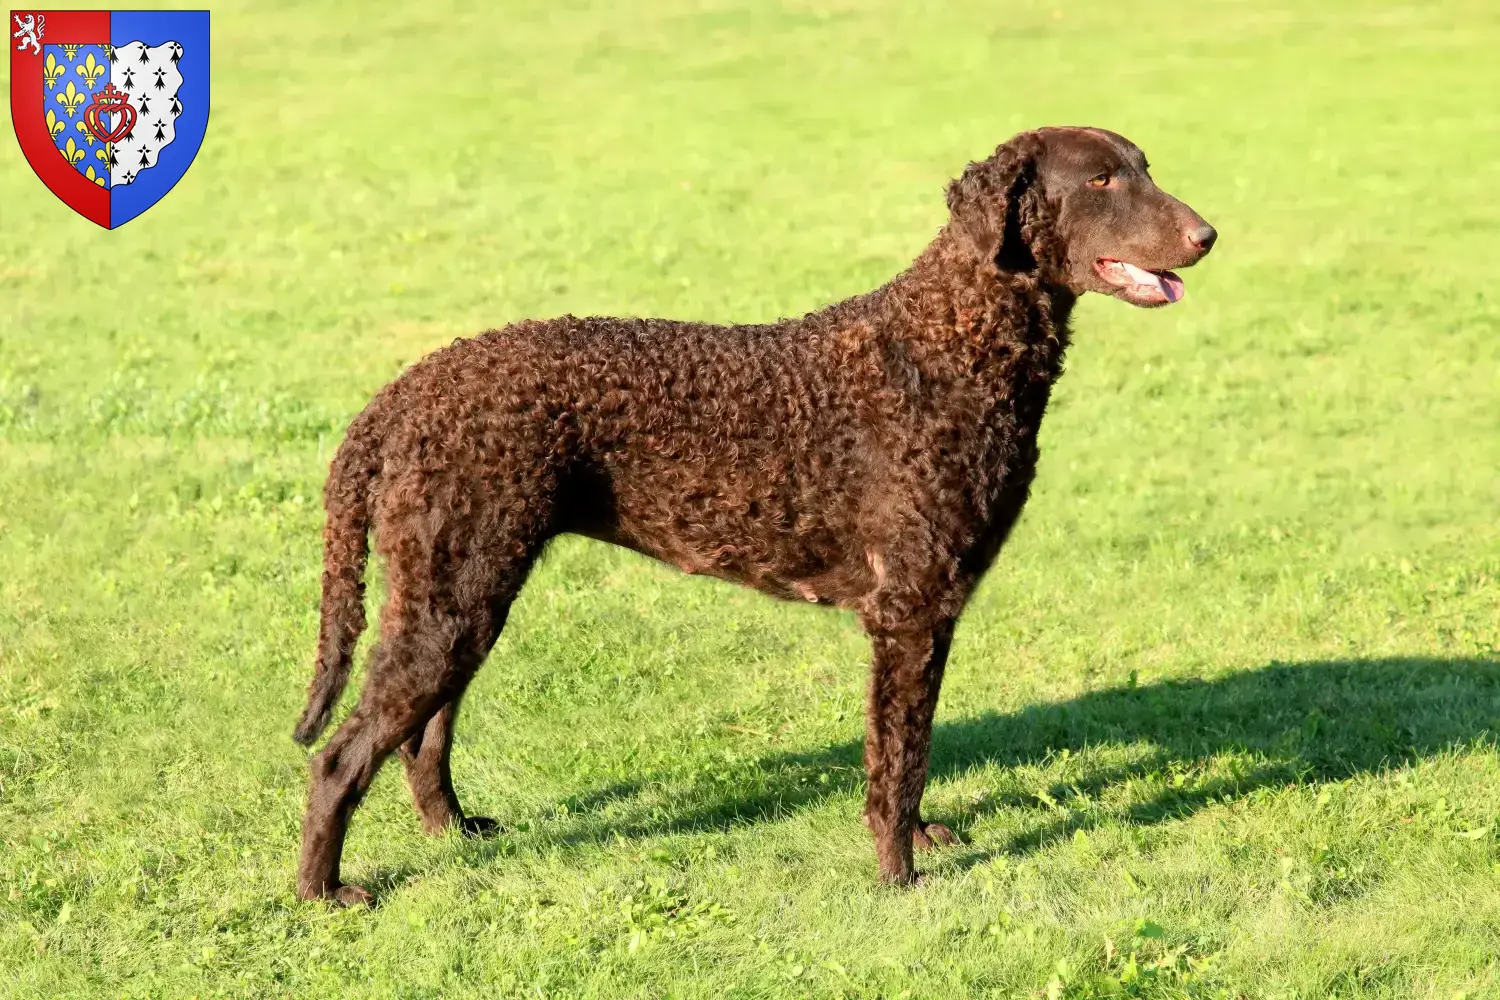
column 873, row 456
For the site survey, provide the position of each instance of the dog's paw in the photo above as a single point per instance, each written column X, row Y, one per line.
column 478, row 826
column 930, row 836
column 352, row 895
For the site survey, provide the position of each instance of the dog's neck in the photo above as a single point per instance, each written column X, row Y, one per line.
column 959, row 313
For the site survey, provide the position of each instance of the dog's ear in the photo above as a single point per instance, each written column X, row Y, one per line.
column 995, row 203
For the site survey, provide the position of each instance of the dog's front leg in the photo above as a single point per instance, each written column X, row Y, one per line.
column 905, row 674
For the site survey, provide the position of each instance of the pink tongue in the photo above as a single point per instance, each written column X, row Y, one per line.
column 1141, row 276
column 1170, row 287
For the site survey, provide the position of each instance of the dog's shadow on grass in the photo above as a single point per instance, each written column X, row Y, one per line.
column 1281, row 723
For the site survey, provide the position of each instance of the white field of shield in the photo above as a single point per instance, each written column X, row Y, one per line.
column 149, row 78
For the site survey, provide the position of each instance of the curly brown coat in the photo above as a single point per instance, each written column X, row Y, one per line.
column 873, row 456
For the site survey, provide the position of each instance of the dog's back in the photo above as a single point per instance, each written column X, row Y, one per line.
column 744, row 452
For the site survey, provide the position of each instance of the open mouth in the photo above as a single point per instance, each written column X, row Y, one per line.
column 1138, row 285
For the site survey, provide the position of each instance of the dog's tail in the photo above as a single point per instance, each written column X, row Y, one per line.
column 346, row 500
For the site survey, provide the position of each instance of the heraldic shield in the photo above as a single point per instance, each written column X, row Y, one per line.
column 110, row 107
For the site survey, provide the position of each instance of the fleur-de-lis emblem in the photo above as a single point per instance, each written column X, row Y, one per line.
column 51, row 70
column 91, row 70
column 102, row 155
column 96, row 178
column 82, row 127
column 71, row 51
column 72, row 152
column 70, row 99
column 54, row 124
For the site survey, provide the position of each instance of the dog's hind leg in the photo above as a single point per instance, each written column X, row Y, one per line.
column 427, row 753
column 436, row 633
column 488, row 581
column 411, row 676
column 447, row 603
column 426, row 756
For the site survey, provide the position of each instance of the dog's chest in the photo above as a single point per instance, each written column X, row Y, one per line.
column 982, row 443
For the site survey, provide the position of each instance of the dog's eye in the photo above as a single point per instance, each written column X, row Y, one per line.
column 1100, row 180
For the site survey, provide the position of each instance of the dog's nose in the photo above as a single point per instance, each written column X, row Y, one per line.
column 1202, row 238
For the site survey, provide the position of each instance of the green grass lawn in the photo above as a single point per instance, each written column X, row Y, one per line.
column 1221, row 722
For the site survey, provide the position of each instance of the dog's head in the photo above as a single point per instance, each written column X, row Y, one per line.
column 1078, row 205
